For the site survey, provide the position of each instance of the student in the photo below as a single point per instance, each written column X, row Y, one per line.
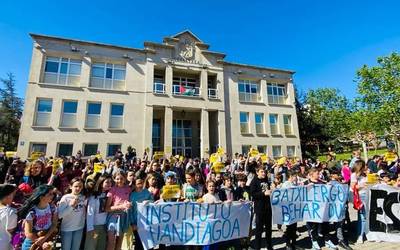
column 191, row 190
column 72, row 211
column 96, row 234
column 242, row 191
column 152, row 185
column 139, row 195
column 358, row 181
column 260, row 192
column 41, row 218
column 291, row 229
column 211, row 196
column 117, row 207
column 34, row 174
column 313, row 178
column 227, row 189
column 170, row 179
column 8, row 215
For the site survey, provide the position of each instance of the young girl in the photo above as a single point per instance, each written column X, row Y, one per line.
column 211, row 196
column 117, row 207
column 152, row 186
column 41, row 218
column 139, row 195
column 8, row 215
column 72, row 211
column 96, row 235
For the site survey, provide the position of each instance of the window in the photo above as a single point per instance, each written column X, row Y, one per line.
column 63, row 71
column 112, row 149
column 287, row 121
column 182, row 134
column 276, row 151
column 248, row 91
column 108, row 76
column 117, row 116
column 159, row 82
column 245, row 149
column 90, row 149
column 259, row 123
column 93, row 115
column 156, row 135
column 65, row 149
column 244, row 122
column 38, row 147
column 276, row 93
column 291, row 151
column 68, row 118
column 43, row 112
column 273, row 121
column 262, row 149
column 187, row 86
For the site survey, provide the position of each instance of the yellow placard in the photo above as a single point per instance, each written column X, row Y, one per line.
column 220, row 151
column 218, row 167
column 98, row 167
column 213, row 158
column 99, row 156
column 171, row 192
column 254, row 152
column 35, row 155
column 181, row 158
column 281, row 161
column 56, row 165
column 372, row 178
column 389, row 157
column 1, row 149
column 11, row 154
column 158, row 155
column 264, row 158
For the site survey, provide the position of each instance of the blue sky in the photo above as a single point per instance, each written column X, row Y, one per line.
column 325, row 42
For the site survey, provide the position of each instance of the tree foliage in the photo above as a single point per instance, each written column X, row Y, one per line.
column 10, row 113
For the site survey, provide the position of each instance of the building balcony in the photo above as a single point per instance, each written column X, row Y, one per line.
column 180, row 90
column 212, row 93
column 159, row 88
column 277, row 99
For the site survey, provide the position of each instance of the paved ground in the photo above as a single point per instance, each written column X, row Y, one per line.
column 304, row 241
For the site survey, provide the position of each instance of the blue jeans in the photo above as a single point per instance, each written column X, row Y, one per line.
column 362, row 217
column 71, row 240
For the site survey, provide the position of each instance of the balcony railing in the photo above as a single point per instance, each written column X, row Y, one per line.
column 61, row 79
column 159, row 88
column 185, row 91
column 212, row 93
column 277, row 99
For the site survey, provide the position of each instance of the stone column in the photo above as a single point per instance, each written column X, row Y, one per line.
column 263, row 91
column 168, row 79
column 204, row 135
column 148, row 128
column 222, row 130
column 38, row 60
column 204, row 84
column 168, row 116
column 85, row 72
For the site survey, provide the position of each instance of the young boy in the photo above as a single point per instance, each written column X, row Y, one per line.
column 227, row 189
column 291, row 229
column 241, row 192
column 260, row 192
column 191, row 190
column 313, row 178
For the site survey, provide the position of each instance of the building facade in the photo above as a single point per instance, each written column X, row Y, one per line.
column 176, row 96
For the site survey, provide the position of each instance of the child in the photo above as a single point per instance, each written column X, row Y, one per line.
column 96, row 235
column 313, row 178
column 260, row 192
column 226, row 191
column 117, row 207
column 241, row 192
column 152, row 186
column 130, row 177
column 292, row 228
column 41, row 218
column 191, row 189
column 211, row 196
column 139, row 195
column 72, row 210
column 170, row 179
column 8, row 215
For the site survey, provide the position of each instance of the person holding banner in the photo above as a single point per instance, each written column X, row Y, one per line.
column 260, row 192
column 191, row 190
column 291, row 229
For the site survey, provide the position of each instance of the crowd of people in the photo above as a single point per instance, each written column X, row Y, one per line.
column 69, row 200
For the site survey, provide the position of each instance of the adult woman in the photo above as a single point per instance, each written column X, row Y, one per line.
column 358, row 182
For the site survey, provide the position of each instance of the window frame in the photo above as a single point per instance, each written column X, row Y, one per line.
column 248, row 85
column 116, row 116
column 64, row 143
column 113, row 144
column 113, row 66
column 84, row 149
column 98, row 115
column 258, row 124
column 247, row 123
column 274, row 125
column 60, row 61
column 37, row 112
column 288, row 126
column 63, row 112
column 280, row 151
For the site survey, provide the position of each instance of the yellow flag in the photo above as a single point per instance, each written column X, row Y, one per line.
column 254, row 152
column 98, row 167
column 218, row 167
column 264, row 158
column 10, row 154
column 213, row 158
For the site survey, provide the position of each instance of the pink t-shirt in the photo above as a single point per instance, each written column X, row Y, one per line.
column 346, row 173
column 119, row 195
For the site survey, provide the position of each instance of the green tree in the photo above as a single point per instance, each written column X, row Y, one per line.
column 11, row 112
column 379, row 89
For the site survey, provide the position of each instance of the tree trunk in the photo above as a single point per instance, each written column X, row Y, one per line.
column 365, row 150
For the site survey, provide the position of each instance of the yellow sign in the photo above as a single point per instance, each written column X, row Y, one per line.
column 98, row 156
column 281, row 161
column 158, row 155
column 36, row 155
column 220, row 151
column 181, row 158
column 98, row 167
column 218, row 167
column 56, row 165
column 389, row 157
column 171, row 192
column 213, row 158
column 372, row 178
column 11, row 154
column 264, row 158
column 254, row 152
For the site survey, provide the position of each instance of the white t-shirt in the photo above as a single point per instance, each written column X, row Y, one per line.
column 8, row 220
column 96, row 211
column 73, row 217
column 42, row 218
column 211, row 198
column 360, row 180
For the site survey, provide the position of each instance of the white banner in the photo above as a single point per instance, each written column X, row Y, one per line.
column 313, row 203
column 383, row 213
column 190, row 223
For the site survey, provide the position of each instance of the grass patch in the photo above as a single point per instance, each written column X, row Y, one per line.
column 347, row 155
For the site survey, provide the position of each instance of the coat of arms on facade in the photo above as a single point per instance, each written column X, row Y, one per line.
column 187, row 50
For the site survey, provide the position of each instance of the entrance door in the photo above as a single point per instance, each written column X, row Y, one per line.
column 182, row 137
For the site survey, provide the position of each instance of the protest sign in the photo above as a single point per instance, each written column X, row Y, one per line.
column 171, row 192
column 218, row 167
column 11, row 154
column 191, row 223
column 264, row 158
column 313, row 203
column 220, row 151
column 213, row 158
column 35, row 155
column 254, row 152
column 158, row 155
column 383, row 213
column 98, row 167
